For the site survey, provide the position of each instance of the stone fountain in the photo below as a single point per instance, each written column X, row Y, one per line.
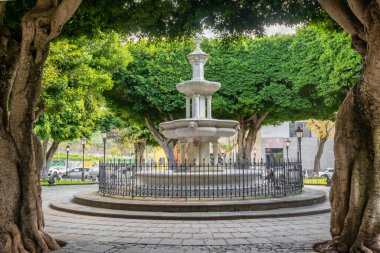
column 195, row 176
column 199, row 129
column 196, row 134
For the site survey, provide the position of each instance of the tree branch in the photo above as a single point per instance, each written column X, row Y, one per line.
column 4, row 32
column 45, row 144
column 253, row 117
column 60, row 16
column 342, row 14
column 258, row 119
column 8, row 72
column 358, row 8
column 39, row 26
column 359, row 45
column 9, row 52
column 2, row 11
column 39, row 112
column 261, row 118
column 53, row 148
column 38, row 153
column 156, row 134
column 47, row 20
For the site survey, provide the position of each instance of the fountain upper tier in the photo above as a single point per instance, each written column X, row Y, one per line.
column 198, row 86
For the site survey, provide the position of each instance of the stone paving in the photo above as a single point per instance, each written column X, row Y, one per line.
column 98, row 234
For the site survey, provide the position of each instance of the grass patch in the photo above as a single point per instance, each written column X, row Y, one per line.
column 68, row 182
column 75, row 157
column 79, row 157
column 315, row 181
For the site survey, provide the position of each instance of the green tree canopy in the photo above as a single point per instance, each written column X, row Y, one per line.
column 174, row 18
column 76, row 74
column 276, row 78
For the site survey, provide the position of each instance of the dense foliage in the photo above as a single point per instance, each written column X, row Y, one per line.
column 76, row 75
column 291, row 77
column 174, row 18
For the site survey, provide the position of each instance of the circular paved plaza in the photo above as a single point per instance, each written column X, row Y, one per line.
column 98, row 234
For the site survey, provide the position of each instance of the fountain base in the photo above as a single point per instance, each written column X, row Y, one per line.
column 203, row 177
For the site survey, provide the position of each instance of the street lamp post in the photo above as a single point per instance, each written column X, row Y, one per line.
column 299, row 133
column 287, row 142
column 67, row 159
column 83, row 140
column 104, row 136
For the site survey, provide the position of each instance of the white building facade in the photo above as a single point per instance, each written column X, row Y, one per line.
column 270, row 145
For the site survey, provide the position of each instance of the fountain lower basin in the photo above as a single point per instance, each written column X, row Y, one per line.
column 202, row 177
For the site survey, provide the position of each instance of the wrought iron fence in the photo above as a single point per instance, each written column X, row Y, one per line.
column 225, row 180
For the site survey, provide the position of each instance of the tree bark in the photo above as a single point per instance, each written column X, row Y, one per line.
column 139, row 151
column 53, row 148
column 242, row 132
column 317, row 159
column 48, row 155
column 166, row 144
column 247, row 134
column 21, row 153
column 355, row 189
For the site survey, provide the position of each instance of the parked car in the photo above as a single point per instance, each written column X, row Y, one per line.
column 77, row 173
column 57, row 170
column 326, row 173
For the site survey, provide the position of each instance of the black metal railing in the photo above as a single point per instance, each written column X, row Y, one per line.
column 224, row 180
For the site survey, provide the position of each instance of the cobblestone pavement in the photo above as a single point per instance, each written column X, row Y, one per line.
column 97, row 234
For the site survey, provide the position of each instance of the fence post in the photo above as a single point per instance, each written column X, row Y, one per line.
column 133, row 178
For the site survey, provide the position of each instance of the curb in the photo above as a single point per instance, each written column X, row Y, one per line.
column 92, row 199
column 313, row 202
column 102, row 212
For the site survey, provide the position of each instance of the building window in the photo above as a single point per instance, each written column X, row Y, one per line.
column 293, row 126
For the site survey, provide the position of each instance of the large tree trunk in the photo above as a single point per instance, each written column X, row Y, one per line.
column 355, row 189
column 247, row 134
column 21, row 159
column 139, row 151
column 317, row 159
column 166, row 144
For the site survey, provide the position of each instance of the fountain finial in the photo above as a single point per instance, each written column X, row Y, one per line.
column 198, row 40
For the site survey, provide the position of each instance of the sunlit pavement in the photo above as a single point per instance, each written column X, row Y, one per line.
column 98, row 234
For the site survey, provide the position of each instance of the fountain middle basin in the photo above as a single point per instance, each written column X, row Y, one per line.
column 195, row 128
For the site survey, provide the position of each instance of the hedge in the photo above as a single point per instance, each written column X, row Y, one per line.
column 315, row 181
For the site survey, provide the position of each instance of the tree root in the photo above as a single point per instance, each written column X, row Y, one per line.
column 42, row 242
column 5, row 242
column 61, row 243
column 326, row 246
column 336, row 246
column 360, row 248
column 12, row 241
